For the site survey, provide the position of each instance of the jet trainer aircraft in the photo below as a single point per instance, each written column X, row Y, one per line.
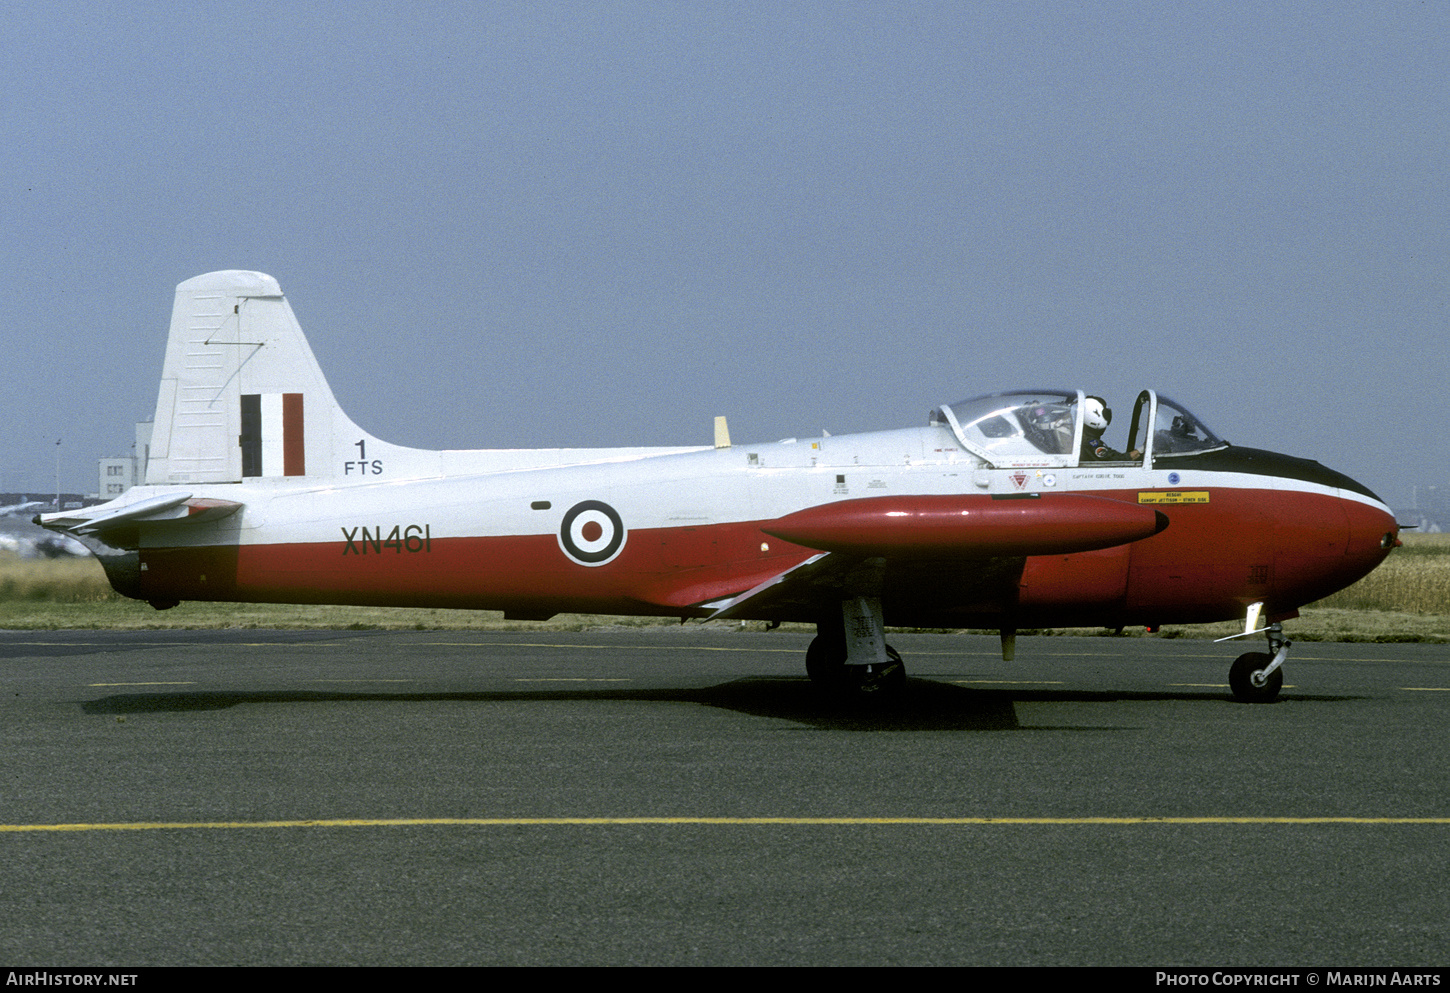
column 994, row 514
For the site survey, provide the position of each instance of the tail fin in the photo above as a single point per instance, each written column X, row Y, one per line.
column 242, row 395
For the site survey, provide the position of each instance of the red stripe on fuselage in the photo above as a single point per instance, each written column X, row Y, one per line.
column 525, row 573
column 1285, row 547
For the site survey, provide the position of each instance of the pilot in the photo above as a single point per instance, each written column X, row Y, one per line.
column 1097, row 415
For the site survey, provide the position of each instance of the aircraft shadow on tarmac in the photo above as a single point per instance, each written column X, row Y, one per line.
column 922, row 705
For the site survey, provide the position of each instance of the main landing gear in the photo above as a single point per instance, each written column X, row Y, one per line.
column 1256, row 677
column 849, row 657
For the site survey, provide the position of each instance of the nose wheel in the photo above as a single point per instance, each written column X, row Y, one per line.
column 1251, row 679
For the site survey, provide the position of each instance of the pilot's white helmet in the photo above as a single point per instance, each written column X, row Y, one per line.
column 1096, row 415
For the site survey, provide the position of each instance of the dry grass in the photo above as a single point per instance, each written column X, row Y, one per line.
column 1406, row 599
column 78, row 580
column 1415, row 579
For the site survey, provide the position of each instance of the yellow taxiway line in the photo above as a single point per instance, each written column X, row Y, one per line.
column 720, row 821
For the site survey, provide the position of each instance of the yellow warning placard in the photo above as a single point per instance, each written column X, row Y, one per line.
column 1174, row 496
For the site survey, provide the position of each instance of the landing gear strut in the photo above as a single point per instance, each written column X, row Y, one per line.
column 829, row 671
column 1256, row 677
column 851, row 657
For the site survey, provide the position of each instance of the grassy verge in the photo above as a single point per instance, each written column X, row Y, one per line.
column 1406, row 599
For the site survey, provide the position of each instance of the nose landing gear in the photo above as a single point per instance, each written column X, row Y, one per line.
column 1256, row 677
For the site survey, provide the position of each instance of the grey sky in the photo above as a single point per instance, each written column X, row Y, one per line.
column 543, row 224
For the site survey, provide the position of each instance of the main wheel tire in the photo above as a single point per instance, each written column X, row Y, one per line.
column 1247, row 682
column 826, row 665
column 825, row 660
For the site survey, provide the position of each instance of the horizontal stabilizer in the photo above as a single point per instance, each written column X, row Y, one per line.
column 976, row 525
column 178, row 508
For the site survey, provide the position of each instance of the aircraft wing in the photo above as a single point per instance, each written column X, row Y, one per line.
column 801, row 585
column 933, row 550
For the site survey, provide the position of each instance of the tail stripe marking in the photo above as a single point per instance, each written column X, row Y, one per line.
column 294, row 452
column 272, row 436
column 251, row 439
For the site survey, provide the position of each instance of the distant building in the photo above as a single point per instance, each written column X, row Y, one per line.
column 117, row 476
column 1422, row 522
column 1429, row 509
column 119, row 473
column 1431, row 499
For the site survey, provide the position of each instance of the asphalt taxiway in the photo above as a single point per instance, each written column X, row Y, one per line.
column 681, row 796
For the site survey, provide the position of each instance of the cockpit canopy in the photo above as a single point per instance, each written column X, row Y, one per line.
column 1045, row 428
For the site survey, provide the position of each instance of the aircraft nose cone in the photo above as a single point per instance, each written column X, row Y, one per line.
column 1332, row 540
column 1336, row 532
column 1373, row 532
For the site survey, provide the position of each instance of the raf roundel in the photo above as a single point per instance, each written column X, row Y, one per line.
column 591, row 533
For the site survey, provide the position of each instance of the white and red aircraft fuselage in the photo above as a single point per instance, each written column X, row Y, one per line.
column 260, row 489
